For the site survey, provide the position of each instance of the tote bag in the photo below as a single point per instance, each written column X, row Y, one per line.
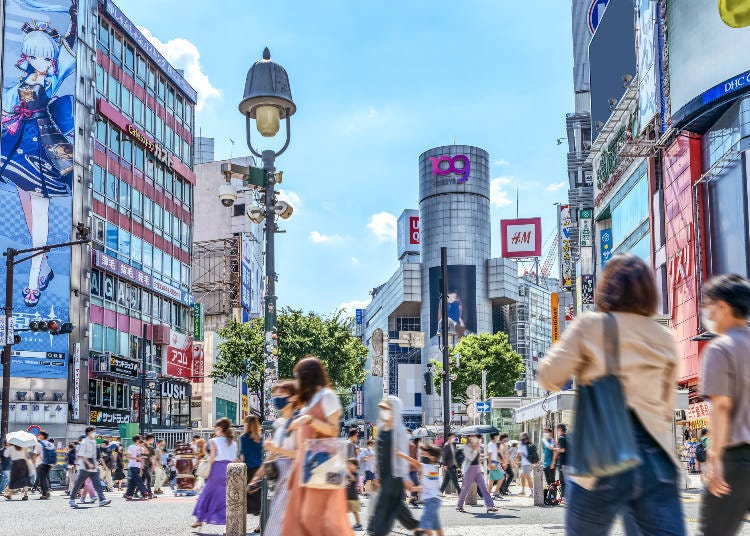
column 603, row 440
column 324, row 465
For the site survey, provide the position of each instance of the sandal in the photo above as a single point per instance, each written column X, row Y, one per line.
column 491, row 510
column 197, row 524
column 460, row 510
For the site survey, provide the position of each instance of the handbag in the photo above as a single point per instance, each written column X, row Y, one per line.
column 324, row 464
column 271, row 470
column 603, row 440
column 204, row 469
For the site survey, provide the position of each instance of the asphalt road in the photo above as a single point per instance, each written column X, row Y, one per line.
column 170, row 516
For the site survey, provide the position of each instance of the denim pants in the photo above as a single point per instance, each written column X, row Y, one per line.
column 646, row 496
column 135, row 482
column 95, row 480
column 722, row 516
column 4, row 480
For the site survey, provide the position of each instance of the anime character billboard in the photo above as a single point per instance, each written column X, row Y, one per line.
column 36, row 170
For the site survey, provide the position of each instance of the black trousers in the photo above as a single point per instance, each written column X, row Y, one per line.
column 722, row 516
column 509, row 475
column 42, row 478
column 147, row 477
column 561, row 477
column 549, row 475
column 450, row 476
column 390, row 506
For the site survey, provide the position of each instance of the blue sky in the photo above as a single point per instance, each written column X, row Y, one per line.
column 376, row 84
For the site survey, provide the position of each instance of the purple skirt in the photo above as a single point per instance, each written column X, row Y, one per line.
column 211, row 507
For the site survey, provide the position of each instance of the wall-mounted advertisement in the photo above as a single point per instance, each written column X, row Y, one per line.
column 646, row 54
column 522, row 237
column 462, row 300
column 586, row 17
column 180, row 355
column 247, row 274
column 566, row 260
column 408, row 232
column 708, row 59
column 605, row 243
column 586, row 227
column 36, row 170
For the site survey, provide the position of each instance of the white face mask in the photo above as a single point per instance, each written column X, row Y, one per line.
column 709, row 324
column 386, row 414
column 92, row 435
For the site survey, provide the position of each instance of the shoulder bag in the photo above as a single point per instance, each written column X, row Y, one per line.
column 603, row 440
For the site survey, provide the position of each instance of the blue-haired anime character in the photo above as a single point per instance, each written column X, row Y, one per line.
column 36, row 153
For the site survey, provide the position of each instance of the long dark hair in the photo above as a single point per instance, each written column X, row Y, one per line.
column 252, row 428
column 311, row 374
column 226, row 428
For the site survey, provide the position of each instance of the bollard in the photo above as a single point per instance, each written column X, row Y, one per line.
column 236, row 499
column 538, row 473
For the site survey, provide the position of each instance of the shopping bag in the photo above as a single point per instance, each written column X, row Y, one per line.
column 603, row 440
column 324, row 465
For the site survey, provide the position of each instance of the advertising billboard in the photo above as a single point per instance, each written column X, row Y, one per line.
column 586, row 17
column 647, row 53
column 462, row 299
column 605, row 243
column 707, row 58
column 522, row 237
column 180, row 355
column 36, row 171
column 566, row 260
column 246, row 276
column 408, row 232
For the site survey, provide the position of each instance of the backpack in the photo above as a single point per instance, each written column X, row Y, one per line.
column 49, row 454
column 532, row 453
column 700, row 452
column 460, row 457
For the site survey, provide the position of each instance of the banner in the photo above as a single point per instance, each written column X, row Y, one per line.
column 198, row 322
column 586, row 227
column 566, row 260
column 605, row 243
column 555, row 315
column 36, row 166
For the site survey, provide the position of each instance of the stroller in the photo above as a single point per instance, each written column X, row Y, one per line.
column 552, row 494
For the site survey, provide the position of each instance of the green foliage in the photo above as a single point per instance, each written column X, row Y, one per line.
column 328, row 337
column 492, row 353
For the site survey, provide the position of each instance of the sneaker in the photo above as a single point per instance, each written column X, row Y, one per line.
column 358, row 526
column 72, row 504
column 127, row 497
column 104, row 502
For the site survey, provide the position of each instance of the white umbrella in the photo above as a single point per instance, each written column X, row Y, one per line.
column 21, row 439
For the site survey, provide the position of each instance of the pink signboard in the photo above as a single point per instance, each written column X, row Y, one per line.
column 521, row 237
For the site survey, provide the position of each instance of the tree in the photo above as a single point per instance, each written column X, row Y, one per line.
column 492, row 353
column 328, row 337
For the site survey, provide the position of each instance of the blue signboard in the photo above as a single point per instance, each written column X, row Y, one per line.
column 246, row 275
column 359, row 314
column 484, row 407
column 36, row 172
column 605, row 243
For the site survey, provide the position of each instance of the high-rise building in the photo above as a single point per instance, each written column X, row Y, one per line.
column 109, row 143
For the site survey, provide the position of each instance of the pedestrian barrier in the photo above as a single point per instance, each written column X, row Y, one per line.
column 538, row 485
column 236, row 499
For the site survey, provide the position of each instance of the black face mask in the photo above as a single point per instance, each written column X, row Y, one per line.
column 425, row 459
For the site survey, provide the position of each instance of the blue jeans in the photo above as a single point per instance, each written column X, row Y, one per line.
column 4, row 480
column 647, row 497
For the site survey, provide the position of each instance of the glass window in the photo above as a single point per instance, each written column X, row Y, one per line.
column 112, row 239
column 127, row 102
column 110, row 290
column 126, row 149
column 186, row 276
column 104, row 34
column 155, row 307
column 166, row 312
column 136, row 202
column 151, row 79
column 129, row 58
column 630, row 212
column 138, row 156
column 99, row 226
column 138, row 110
column 136, row 250
column 159, row 126
column 114, row 140
column 188, row 193
column 107, row 394
column 185, row 235
column 148, row 255
column 161, row 89
column 114, row 91
column 111, row 191
column 122, row 293
column 101, row 131
column 97, row 338
column 176, row 271
column 140, row 67
column 180, row 108
column 124, row 196
column 188, row 115
column 170, row 97
column 157, row 260
column 110, row 340
column 101, row 80
column 93, row 393
column 148, row 211
column 124, row 244
column 169, row 180
column 98, row 182
column 119, row 396
column 116, row 54
column 160, row 176
column 176, row 227
column 146, row 302
column 167, row 265
column 150, row 120
column 186, row 155
column 166, row 224
column 150, row 167
column 169, row 138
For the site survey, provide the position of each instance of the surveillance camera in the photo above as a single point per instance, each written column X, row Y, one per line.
column 227, row 194
column 255, row 214
column 283, row 209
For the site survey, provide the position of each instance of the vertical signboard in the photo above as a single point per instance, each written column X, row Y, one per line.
column 36, row 166
column 586, row 17
column 198, row 322
column 646, row 53
column 587, row 292
column 521, row 237
column 566, row 259
column 605, row 243
column 180, row 355
column 586, row 227
column 76, row 398
column 246, row 275
column 408, row 232
column 554, row 300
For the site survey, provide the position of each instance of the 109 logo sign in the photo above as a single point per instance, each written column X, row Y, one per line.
column 447, row 165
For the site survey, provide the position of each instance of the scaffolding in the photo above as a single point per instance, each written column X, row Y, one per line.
column 217, row 278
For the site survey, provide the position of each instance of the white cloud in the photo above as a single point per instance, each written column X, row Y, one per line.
column 383, row 226
column 498, row 195
column 183, row 54
column 319, row 238
column 349, row 307
column 355, row 260
column 556, row 186
column 369, row 119
column 502, row 163
column 290, row 197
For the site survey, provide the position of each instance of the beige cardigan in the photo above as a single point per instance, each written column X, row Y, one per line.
column 648, row 367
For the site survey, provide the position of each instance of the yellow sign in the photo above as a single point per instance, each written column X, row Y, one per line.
column 555, row 305
column 245, row 407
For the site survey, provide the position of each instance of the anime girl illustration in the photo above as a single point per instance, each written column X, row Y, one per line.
column 36, row 150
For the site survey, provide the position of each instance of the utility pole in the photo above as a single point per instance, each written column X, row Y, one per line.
column 484, row 391
column 444, row 336
column 271, row 358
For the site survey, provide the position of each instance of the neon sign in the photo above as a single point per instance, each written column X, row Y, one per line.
column 451, row 169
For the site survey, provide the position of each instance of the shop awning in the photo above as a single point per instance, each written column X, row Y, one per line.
column 562, row 401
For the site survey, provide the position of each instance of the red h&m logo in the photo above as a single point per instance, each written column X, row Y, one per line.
column 522, row 238
column 414, row 230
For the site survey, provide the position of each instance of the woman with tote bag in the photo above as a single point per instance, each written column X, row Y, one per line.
column 620, row 458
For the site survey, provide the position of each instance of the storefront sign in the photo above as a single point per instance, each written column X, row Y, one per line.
column 522, row 237
column 408, row 232
column 446, row 165
column 76, row 404
column 180, row 391
column 605, row 243
column 586, row 225
column 197, row 363
column 587, row 289
column 555, row 314
column 159, row 152
column 136, row 276
column 698, row 411
column 566, row 259
column 99, row 415
column 180, row 355
column 681, row 264
column 123, row 367
column 198, row 320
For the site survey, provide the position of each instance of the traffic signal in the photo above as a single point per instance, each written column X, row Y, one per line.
column 39, row 325
column 428, row 381
column 54, row 327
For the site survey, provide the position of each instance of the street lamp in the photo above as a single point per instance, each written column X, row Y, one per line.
column 267, row 100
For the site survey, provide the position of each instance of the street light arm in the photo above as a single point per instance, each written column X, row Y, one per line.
column 43, row 249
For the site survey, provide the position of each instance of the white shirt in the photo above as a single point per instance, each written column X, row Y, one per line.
column 225, row 451
column 492, row 452
column 87, row 450
column 135, row 451
column 430, row 481
column 523, row 450
column 328, row 399
column 365, row 465
column 14, row 454
column 39, row 452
